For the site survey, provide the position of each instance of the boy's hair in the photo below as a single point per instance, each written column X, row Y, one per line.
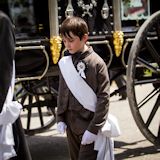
column 75, row 25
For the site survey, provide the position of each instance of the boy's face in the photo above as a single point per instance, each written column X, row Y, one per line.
column 73, row 43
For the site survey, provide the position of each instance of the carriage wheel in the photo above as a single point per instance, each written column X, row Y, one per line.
column 143, row 79
column 38, row 112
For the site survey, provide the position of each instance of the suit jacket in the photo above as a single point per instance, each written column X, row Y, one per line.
column 70, row 110
column 7, row 49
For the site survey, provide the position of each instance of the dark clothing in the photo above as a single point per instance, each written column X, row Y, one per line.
column 120, row 82
column 78, row 151
column 7, row 53
column 7, row 45
column 70, row 111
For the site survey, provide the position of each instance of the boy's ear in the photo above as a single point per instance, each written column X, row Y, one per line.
column 85, row 37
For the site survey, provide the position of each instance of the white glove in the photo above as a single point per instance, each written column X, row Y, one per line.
column 88, row 138
column 61, row 127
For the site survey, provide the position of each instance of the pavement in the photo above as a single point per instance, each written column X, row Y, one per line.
column 130, row 145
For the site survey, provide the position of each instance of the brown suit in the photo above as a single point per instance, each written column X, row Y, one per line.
column 70, row 111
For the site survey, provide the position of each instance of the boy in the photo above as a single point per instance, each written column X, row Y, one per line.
column 83, row 100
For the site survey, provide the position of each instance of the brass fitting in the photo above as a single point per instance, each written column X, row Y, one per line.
column 55, row 46
column 118, row 42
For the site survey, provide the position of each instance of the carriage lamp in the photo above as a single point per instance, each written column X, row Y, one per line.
column 118, row 42
column 105, row 10
column 55, row 46
column 69, row 10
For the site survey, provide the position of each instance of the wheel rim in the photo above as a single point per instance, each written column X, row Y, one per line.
column 38, row 112
column 143, row 79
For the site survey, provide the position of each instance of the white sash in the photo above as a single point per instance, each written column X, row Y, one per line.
column 79, row 88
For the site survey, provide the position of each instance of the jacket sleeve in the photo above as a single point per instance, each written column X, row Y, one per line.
column 7, row 50
column 103, row 96
column 61, row 101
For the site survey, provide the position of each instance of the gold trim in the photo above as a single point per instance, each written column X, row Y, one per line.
column 118, row 42
column 55, row 46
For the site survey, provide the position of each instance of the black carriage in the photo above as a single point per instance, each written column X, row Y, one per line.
column 118, row 34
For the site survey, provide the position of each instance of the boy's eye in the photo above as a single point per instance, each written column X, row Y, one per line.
column 71, row 40
column 68, row 40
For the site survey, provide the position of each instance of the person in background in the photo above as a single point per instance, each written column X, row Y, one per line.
column 83, row 99
column 10, row 126
column 120, row 82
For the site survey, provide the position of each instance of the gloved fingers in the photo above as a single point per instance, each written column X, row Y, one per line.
column 61, row 127
column 85, row 142
column 61, row 130
column 88, row 138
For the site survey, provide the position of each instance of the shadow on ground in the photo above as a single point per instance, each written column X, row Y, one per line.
column 130, row 152
column 48, row 148
column 55, row 148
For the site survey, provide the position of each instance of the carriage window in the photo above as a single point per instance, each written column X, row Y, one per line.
column 135, row 9
column 22, row 14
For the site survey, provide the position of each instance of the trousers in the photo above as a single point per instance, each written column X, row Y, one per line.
column 78, row 151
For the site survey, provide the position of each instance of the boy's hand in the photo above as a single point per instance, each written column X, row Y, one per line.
column 61, row 127
column 88, row 138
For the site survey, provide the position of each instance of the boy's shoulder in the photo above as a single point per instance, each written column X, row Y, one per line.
column 95, row 61
column 97, row 57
